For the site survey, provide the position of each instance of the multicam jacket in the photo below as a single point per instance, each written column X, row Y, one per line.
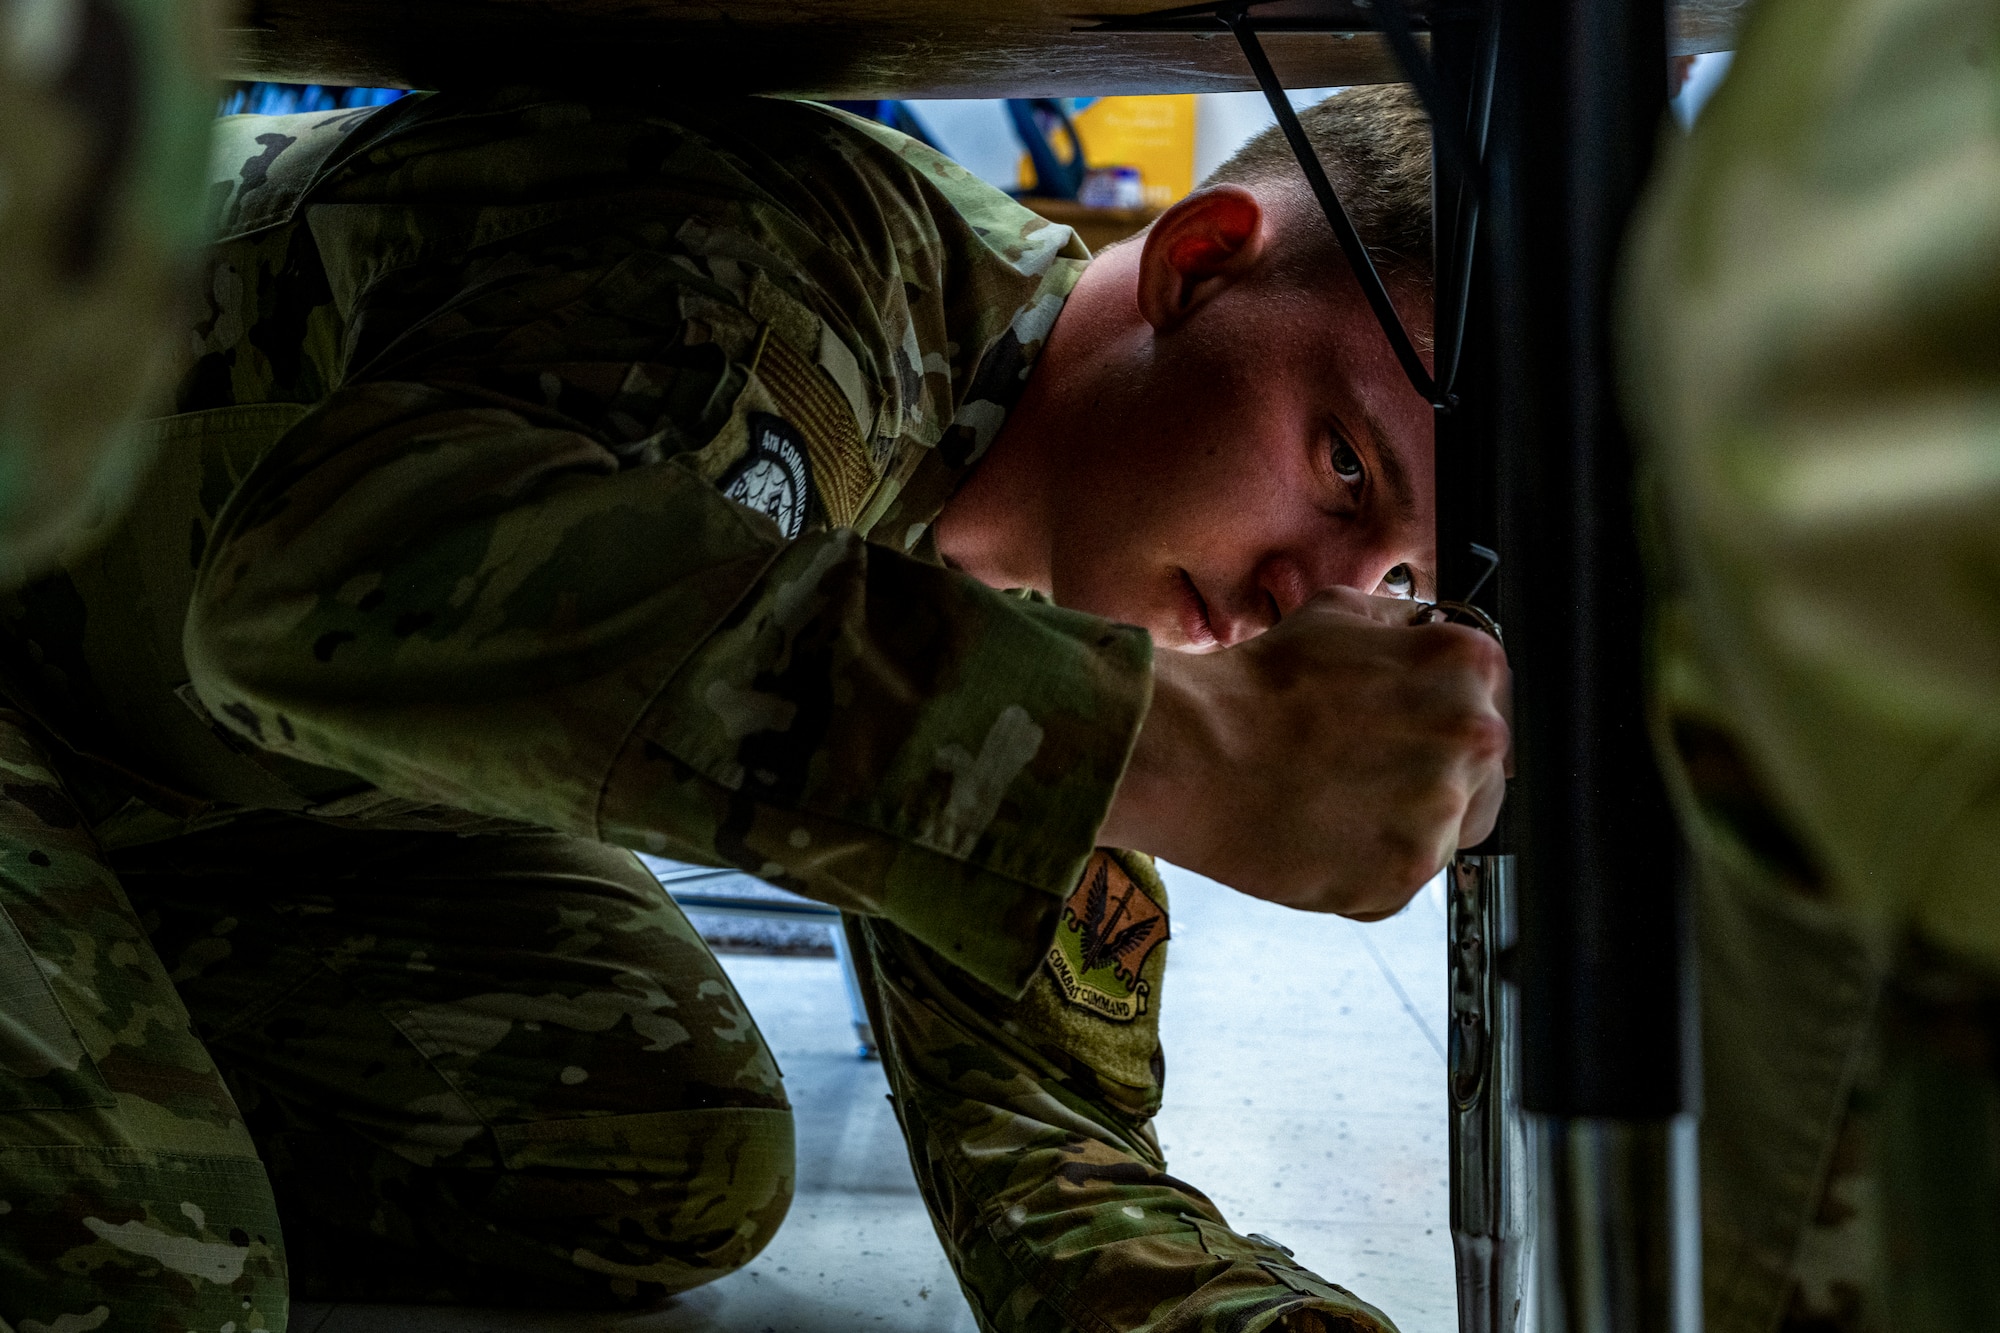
column 1810, row 321
column 104, row 115
column 511, row 559
column 574, row 465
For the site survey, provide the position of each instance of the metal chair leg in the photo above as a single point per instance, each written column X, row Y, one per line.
column 864, row 1031
column 1492, row 1171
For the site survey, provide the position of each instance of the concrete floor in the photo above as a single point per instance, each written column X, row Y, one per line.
column 1305, row 1095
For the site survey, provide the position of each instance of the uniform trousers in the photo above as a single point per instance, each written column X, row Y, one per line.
column 287, row 1058
column 402, row 1065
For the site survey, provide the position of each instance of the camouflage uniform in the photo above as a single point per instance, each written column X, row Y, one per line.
column 516, row 507
column 105, row 107
column 1813, row 313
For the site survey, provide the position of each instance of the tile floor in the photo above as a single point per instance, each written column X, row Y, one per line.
column 1305, row 1094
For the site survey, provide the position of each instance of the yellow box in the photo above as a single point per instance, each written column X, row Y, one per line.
column 1155, row 135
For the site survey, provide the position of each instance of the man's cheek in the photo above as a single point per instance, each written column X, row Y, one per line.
column 1099, row 580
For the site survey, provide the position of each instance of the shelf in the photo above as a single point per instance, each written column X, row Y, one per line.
column 812, row 48
column 1098, row 227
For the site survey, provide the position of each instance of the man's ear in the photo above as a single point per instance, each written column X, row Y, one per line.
column 1198, row 248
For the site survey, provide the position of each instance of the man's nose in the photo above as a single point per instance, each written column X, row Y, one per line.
column 1286, row 584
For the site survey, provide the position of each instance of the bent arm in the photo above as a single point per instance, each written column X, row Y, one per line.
column 1028, row 1122
column 462, row 604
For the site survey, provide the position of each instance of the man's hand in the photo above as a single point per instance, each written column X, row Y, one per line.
column 1331, row 764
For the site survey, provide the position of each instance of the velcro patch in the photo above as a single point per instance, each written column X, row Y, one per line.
column 805, row 394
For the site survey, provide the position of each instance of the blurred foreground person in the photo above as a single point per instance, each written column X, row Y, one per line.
column 105, row 109
column 554, row 478
column 1814, row 323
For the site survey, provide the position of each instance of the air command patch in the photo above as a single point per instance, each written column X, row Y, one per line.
column 1109, row 926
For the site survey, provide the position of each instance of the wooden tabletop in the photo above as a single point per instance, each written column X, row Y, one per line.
column 814, row 48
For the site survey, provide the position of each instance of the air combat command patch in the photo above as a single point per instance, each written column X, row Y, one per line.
column 1109, row 926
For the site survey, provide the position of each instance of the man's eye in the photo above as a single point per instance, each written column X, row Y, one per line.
column 1346, row 463
column 1400, row 582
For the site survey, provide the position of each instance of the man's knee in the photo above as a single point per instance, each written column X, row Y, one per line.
column 669, row 1200
column 586, row 1212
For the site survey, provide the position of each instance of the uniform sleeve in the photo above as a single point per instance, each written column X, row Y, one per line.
column 461, row 605
column 1029, row 1127
column 493, row 569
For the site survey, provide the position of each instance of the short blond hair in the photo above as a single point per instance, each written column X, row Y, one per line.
column 1375, row 143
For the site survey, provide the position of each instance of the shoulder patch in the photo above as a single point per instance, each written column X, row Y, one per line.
column 1108, row 929
column 774, row 477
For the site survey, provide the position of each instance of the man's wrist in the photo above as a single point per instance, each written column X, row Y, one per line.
column 1143, row 808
